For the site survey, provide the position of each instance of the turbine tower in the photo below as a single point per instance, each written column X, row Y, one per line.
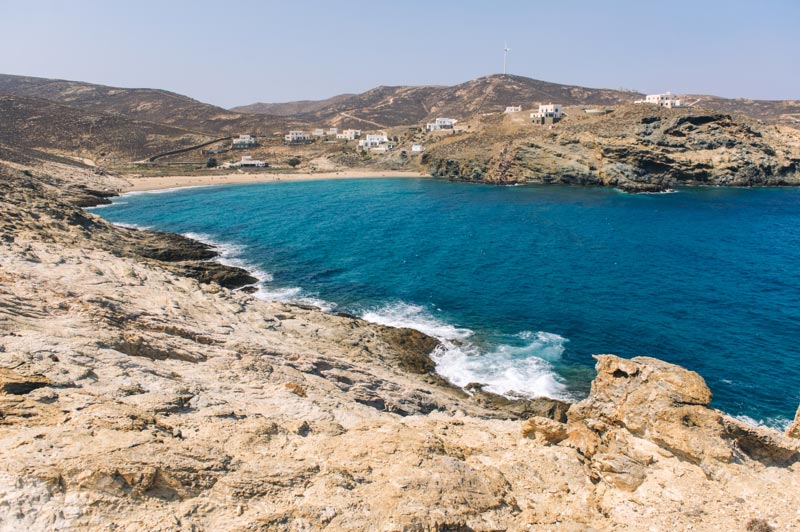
column 506, row 49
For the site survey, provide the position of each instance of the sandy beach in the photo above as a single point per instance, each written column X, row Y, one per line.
column 165, row 182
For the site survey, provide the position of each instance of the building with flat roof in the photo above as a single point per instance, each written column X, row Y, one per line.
column 667, row 99
column 244, row 141
column 547, row 114
column 441, row 123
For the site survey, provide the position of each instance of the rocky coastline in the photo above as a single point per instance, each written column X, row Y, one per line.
column 632, row 148
column 139, row 390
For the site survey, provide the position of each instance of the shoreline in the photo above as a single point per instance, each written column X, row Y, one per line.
column 144, row 184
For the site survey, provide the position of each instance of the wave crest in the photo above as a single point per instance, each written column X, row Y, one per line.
column 519, row 368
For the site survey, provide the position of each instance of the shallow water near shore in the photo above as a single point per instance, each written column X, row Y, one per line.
column 523, row 284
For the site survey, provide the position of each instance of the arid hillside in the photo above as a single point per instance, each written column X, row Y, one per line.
column 44, row 126
column 151, row 105
column 405, row 105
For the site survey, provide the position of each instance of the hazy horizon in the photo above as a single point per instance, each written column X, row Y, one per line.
column 316, row 50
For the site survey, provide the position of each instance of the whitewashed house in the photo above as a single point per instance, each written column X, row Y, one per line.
column 349, row 134
column 319, row 132
column 547, row 114
column 513, row 109
column 668, row 100
column 248, row 161
column 296, row 136
column 332, row 131
column 244, row 141
column 441, row 123
column 378, row 143
column 416, row 148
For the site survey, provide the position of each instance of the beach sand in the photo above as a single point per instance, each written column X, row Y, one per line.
column 166, row 182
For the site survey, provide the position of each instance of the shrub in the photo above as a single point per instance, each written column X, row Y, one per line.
column 211, row 163
column 293, row 162
column 759, row 525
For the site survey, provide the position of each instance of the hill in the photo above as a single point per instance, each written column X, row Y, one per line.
column 31, row 124
column 405, row 105
column 151, row 105
column 291, row 108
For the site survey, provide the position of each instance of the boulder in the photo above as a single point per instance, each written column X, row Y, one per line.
column 544, row 430
column 794, row 429
column 668, row 405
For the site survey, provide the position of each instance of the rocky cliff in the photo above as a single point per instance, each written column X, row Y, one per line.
column 637, row 148
column 136, row 395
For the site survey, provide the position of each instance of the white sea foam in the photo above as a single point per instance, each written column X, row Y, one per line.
column 103, row 206
column 778, row 423
column 230, row 254
column 160, row 190
column 512, row 370
column 132, row 226
column 415, row 317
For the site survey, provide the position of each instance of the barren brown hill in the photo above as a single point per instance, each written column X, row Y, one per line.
column 406, row 105
column 151, row 105
column 785, row 112
column 44, row 126
column 291, row 108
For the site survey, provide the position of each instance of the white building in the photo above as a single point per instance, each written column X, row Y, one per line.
column 417, row 148
column 249, row 161
column 244, row 141
column 667, row 100
column 332, row 131
column 513, row 109
column 550, row 110
column 441, row 123
column 296, row 136
column 379, row 143
column 318, row 132
column 348, row 134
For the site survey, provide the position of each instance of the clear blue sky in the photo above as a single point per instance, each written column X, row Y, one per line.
column 231, row 53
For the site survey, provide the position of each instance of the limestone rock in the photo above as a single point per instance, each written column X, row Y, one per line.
column 544, row 430
column 619, row 470
column 15, row 383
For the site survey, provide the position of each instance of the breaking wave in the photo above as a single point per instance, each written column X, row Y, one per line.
column 520, row 368
column 230, row 254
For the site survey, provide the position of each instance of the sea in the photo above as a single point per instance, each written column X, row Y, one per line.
column 524, row 284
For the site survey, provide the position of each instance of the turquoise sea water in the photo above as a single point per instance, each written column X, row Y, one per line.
column 524, row 284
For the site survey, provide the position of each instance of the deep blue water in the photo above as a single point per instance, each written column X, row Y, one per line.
column 525, row 283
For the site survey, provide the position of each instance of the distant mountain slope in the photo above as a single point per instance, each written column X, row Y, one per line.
column 785, row 112
column 291, row 108
column 36, row 124
column 405, row 105
column 151, row 105
column 402, row 105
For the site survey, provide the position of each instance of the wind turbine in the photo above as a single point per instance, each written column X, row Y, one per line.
column 506, row 49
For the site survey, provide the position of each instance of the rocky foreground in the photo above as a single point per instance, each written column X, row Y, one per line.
column 138, row 391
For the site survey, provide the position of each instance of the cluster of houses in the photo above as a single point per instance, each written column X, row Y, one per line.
column 549, row 113
column 297, row 137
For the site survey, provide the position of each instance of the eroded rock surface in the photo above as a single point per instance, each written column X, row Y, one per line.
column 135, row 397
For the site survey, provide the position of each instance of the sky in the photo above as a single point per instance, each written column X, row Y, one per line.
column 235, row 53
